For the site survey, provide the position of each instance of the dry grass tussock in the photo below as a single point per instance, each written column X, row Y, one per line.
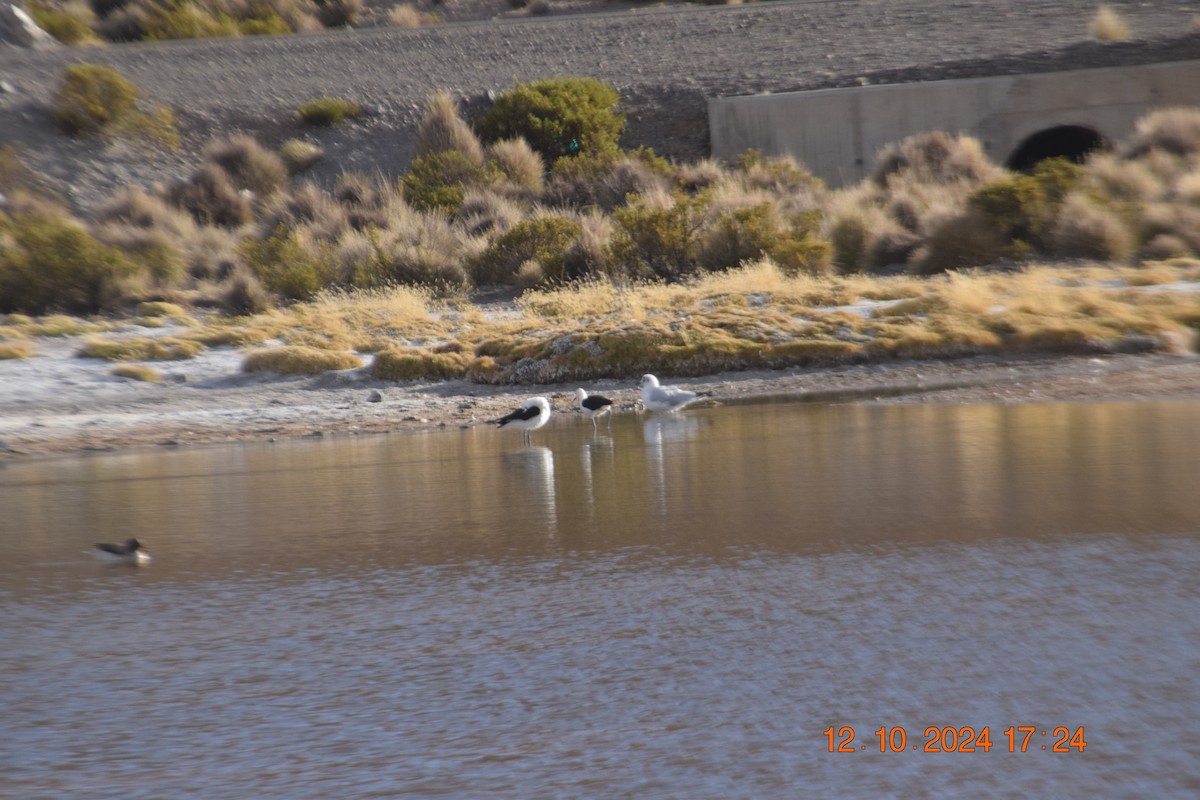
column 1108, row 25
column 137, row 372
column 13, row 350
column 299, row 360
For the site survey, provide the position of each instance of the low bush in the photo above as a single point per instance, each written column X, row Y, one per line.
column 299, row 360
column 558, row 117
column 654, row 236
column 48, row 262
column 426, row 253
column 90, row 97
column 70, row 23
column 439, row 181
column 211, row 198
column 136, row 372
column 328, row 111
column 289, row 264
column 155, row 128
column 542, row 239
column 749, row 234
column 934, row 158
column 1087, row 230
column 249, row 165
column 960, row 241
column 1023, row 208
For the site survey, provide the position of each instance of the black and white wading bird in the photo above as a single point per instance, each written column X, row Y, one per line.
column 666, row 398
column 594, row 405
column 533, row 414
column 131, row 552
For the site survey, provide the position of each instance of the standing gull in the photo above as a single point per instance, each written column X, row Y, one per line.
column 533, row 414
column 666, row 398
column 131, row 552
column 593, row 405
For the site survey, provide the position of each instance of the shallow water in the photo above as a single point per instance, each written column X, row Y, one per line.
column 676, row 607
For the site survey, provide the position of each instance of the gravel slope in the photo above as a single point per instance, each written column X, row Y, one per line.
column 665, row 61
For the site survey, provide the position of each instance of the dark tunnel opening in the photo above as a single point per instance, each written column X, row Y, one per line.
column 1073, row 142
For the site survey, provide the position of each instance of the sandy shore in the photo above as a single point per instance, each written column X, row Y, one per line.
column 56, row 403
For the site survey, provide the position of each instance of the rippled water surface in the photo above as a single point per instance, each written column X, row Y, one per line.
column 676, row 607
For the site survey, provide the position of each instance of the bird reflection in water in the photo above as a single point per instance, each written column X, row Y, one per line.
column 532, row 469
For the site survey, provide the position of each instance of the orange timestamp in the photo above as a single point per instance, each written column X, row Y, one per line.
column 950, row 739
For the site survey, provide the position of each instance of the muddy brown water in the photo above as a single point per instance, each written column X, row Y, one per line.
column 679, row 606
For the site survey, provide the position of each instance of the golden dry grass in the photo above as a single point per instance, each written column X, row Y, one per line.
column 15, row 350
column 298, row 360
column 754, row 317
column 137, row 372
column 139, row 349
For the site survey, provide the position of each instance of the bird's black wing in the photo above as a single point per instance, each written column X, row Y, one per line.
column 595, row 402
column 115, row 549
column 519, row 414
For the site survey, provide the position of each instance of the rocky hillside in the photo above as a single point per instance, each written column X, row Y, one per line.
column 665, row 60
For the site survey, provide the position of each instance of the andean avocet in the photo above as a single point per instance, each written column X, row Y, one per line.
column 531, row 415
column 593, row 405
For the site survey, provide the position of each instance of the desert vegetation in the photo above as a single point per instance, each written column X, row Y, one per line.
column 619, row 261
column 90, row 23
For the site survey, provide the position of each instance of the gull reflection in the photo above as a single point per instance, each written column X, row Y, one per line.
column 533, row 468
column 657, row 432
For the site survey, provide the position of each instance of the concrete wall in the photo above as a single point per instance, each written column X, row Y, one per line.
column 837, row 132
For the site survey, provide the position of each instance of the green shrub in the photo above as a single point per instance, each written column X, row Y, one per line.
column 290, row 266
column 541, row 239
column 557, row 116
column 329, row 110
column 1023, row 208
column 265, row 23
column 851, row 240
column 299, row 360
column 656, row 239
column 89, row 97
column 440, row 180
column 156, row 127
column 746, row 234
column 183, row 19
column 52, row 263
column 70, row 24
